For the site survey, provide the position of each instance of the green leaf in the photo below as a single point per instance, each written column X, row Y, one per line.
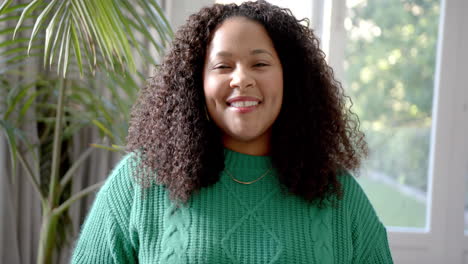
column 6, row 13
column 163, row 17
column 119, row 41
column 73, row 129
column 10, row 135
column 14, row 97
column 50, row 30
column 8, row 18
column 13, row 42
column 82, row 158
column 153, row 18
column 67, row 50
column 63, row 45
column 27, row 10
column 4, row 6
column 143, row 29
column 103, row 129
column 18, row 50
column 80, row 20
column 113, row 148
column 10, row 30
column 40, row 19
column 15, row 58
column 28, row 103
column 128, row 85
column 50, row 50
column 84, row 15
column 76, row 47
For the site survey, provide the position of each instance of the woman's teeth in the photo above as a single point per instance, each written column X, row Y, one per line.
column 244, row 103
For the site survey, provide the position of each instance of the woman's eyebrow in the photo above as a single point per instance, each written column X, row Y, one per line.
column 253, row 52
column 260, row 51
column 223, row 54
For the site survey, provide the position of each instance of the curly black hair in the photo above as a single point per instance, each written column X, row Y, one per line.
column 315, row 138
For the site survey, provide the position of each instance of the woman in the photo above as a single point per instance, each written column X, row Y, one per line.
column 240, row 147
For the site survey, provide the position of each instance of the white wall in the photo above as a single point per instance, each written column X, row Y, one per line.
column 179, row 10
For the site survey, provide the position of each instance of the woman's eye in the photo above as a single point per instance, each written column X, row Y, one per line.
column 222, row 66
column 260, row 64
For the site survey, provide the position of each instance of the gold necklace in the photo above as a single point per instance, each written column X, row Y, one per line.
column 250, row 182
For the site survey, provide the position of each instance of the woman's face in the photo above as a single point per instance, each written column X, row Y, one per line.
column 243, row 85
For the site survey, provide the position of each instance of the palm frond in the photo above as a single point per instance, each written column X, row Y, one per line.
column 101, row 30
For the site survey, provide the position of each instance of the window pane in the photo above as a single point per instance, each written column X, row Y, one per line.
column 389, row 73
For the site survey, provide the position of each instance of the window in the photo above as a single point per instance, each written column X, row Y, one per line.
column 437, row 134
column 389, row 66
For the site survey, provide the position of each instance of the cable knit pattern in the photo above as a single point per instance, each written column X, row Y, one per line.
column 228, row 223
column 320, row 221
column 243, row 226
column 175, row 235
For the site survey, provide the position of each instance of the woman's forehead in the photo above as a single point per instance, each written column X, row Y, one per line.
column 240, row 34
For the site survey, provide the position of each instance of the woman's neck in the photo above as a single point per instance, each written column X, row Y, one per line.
column 260, row 146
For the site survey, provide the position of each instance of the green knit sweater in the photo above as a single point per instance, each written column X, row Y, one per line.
column 228, row 223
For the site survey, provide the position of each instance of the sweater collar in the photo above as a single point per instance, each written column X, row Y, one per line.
column 234, row 160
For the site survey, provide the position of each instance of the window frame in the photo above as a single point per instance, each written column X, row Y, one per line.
column 443, row 240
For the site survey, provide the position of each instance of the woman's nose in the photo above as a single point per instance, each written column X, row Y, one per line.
column 241, row 79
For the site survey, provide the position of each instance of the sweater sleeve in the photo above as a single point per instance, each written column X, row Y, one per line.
column 105, row 235
column 369, row 236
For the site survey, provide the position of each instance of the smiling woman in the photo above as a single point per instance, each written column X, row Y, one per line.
column 240, row 147
column 243, row 85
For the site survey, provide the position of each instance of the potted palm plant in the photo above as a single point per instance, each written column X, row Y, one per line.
column 90, row 77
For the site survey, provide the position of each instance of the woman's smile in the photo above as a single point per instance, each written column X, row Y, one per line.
column 243, row 104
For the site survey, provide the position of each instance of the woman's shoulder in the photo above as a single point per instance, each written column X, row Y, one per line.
column 122, row 176
column 354, row 196
column 368, row 233
column 125, row 182
column 122, row 192
column 355, row 205
column 357, row 209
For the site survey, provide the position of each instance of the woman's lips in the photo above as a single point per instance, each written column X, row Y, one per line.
column 243, row 109
column 243, row 104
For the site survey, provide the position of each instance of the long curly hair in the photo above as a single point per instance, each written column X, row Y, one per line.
column 315, row 138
